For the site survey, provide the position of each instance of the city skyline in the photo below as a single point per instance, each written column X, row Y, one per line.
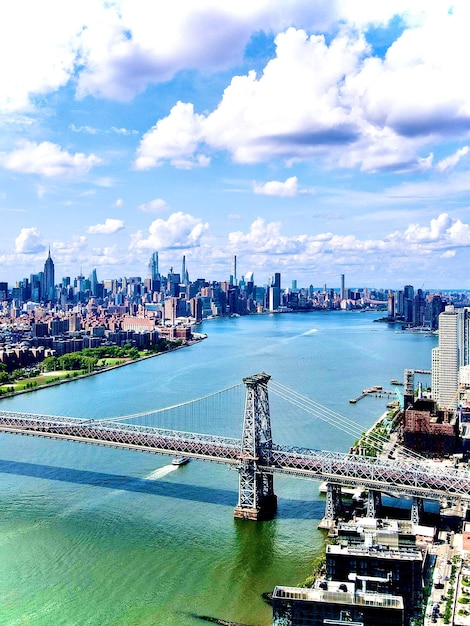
column 268, row 131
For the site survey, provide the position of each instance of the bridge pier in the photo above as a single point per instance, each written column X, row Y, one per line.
column 374, row 503
column 334, row 504
column 256, row 498
column 417, row 510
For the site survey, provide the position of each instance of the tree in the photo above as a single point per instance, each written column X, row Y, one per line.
column 50, row 364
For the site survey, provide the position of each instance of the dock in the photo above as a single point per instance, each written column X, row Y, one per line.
column 376, row 391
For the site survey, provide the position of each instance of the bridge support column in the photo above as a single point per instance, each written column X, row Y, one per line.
column 374, row 503
column 417, row 510
column 334, row 503
column 256, row 498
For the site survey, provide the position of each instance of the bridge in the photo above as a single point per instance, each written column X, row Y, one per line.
column 257, row 459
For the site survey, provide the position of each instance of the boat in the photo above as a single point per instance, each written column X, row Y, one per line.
column 180, row 460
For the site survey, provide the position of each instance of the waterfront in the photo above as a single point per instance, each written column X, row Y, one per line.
column 98, row 536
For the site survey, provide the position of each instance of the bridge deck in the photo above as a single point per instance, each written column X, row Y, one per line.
column 413, row 479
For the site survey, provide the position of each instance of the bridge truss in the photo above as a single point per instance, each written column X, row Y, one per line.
column 254, row 456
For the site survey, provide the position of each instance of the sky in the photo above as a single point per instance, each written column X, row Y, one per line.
column 309, row 137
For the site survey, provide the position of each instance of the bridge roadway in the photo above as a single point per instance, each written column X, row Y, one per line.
column 425, row 480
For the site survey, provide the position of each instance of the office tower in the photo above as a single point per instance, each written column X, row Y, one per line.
column 342, row 294
column 153, row 267
column 408, row 297
column 274, row 293
column 233, row 275
column 93, row 278
column 173, row 283
column 451, row 354
column 49, row 278
column 37, row 286
column 184, row 272
column 391, row 306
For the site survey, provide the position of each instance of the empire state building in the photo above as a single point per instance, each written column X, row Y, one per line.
column 49, row 281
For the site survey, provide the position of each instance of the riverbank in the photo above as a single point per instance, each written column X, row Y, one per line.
column 73, row 375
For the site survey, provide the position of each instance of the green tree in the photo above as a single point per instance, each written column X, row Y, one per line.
column 50, row 364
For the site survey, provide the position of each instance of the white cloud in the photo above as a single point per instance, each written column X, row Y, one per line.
column 29, row 241
column 119, row 203
column 109, row 227
column 179, row 231
column 134, row 45
column 47, row 159
column 288, row 188
column 41, row 56
column 444, row 236
column 175, row 138
column 336, row 100
column 89, row 130
column 154, row 206
column 451, row 161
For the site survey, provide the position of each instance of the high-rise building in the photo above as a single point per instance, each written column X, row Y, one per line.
column 93, row 282
column 343, row 293
column 233, row 275
column 274, row 293
column 184, row 272
column 153, row 267
column 408, row 298
column 451, row 354
column 49, row 280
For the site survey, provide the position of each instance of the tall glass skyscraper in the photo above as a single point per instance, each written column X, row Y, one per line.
column 153, row 267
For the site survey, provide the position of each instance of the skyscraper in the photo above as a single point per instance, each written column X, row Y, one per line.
column 275, row 292
column 49, row 281
column 451, row 354
column 233, row 276
column 153, row 267
column 184, row 272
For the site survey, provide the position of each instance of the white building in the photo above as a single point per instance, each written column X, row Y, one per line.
column 451, row 354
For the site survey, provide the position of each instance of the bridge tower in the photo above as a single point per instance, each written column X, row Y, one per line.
column 256, row 499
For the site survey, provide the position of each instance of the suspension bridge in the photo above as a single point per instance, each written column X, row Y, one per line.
column 257, row 458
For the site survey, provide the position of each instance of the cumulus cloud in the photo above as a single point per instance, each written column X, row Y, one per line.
column 179, row 231
column 154, row 206
column 444, row 235
column 29, row 241
column 109, row 227
column 47, row 159
column 288, row 188
column 334, row 99
column 175, row 138
column 133, row 46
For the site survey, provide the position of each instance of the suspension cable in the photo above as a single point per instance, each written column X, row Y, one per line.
column 167, row 408
column 333, row 418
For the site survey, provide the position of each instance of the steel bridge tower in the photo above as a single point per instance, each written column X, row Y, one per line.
column 256, row 499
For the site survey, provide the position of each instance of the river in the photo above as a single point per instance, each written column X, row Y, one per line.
column 96, row 536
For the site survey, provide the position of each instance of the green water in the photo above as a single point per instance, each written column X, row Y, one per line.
column 96, row 536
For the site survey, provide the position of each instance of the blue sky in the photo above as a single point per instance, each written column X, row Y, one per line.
column 307, row 137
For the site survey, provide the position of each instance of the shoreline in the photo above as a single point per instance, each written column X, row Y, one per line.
column 105, row 368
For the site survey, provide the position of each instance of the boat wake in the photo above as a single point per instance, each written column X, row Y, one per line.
column 161, row 472
column 312, row 331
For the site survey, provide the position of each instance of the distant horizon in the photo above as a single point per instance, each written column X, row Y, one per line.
column 285, row 283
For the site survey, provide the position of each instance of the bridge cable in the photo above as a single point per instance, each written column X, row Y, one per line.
column 335, row 419
column 166, row 408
